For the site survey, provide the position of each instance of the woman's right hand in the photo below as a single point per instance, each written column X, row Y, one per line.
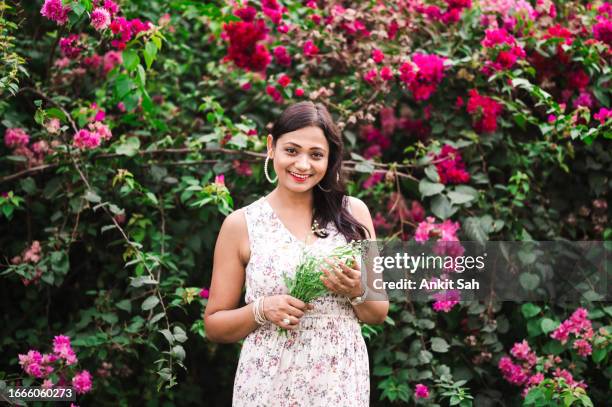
column 279, row 307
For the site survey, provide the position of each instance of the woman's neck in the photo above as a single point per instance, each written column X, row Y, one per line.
column 296, row 200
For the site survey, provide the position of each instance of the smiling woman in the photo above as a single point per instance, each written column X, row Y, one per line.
column 323, row 359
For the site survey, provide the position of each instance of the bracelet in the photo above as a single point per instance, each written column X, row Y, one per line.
column 260, row 316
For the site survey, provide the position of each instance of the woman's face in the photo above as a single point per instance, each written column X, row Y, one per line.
column 300, row 158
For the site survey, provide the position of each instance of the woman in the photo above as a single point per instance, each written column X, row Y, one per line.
column 322, row 359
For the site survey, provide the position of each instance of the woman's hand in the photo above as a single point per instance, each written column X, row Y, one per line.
column 341, row 279
column 277, row 308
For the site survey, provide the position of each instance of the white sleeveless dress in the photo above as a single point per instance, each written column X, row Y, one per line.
column 324, row 362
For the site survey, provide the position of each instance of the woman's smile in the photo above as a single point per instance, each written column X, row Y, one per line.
column 298, row 177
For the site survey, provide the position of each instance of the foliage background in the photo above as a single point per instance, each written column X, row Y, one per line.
column 127, row 228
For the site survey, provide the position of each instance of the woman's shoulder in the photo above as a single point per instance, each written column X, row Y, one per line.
column 356, row 205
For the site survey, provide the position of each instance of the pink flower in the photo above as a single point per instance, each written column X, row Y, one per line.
column 372, row 180
column 423, row 75
column 46, row 384
column 220, row 179
column 485, row 111
column 284, row 80
column 244, row 47
column 370, row 76
column 377, row 55
column 450, row 167
column 111, row 6
column 602, row 31
column 110, row 60
column 512, row 372
column 386, row 73
column 204, row 293
column 246, row 14
column 100, row 18
column 52, row 125
column 522, row 351
column 242, row 168
column 86, row 140
column 421, row 391
column 56, row 11
column 310, row 49
column 446, row 300
column 82, row 382
column 274, row 93
column 584, row 99
column 282, row 56
column 578, row 79
column 577, row 324
column 62, row 349
column 101, row 129
column 16, row 137
column 603, row 115
column 299, row 92
column 583, row 347
column 69, row 46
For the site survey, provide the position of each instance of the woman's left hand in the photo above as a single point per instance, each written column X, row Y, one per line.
column 341, row 279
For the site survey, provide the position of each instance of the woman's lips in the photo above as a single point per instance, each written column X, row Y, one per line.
column 299, row 179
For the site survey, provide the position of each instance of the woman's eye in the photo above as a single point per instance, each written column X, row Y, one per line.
column 290, row 150
column 317, row 155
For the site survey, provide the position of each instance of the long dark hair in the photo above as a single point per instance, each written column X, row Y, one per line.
column 328, row 206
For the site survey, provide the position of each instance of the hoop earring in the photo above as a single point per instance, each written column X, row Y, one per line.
column 323, row 189
column 270, row 180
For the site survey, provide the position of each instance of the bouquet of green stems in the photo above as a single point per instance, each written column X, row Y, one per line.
column 306, row 285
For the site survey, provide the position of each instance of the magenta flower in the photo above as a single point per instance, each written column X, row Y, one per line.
column 244, row 47
column 421, row 391
column 220, row 179
column 450, row 166
column 56, row 11
column 82, row 382
column 100, row 18
column 85, row 139
column 378, row 56
column 485, row 111
column 204, row 292
column 603, row 114
column 16, row 137
column 284, row 80
column 310, row 49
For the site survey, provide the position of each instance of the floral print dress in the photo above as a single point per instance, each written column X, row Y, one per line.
column 322, row 363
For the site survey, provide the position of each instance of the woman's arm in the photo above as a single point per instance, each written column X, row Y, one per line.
column 224, row 322
column 370, row 312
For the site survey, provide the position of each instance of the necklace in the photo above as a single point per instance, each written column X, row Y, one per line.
column 317, row 231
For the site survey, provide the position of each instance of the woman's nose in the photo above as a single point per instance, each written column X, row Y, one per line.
column 302, row 163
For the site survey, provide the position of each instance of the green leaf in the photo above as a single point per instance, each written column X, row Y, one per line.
column 179, row 334
column 441, row 207
column 428, row 188
column 149, row 53
column 178, row 352
column 432, row 173
column 125, row 305
column 474, row 230
column 142, row 280
column 91, row 196
column 150, row 303
column 530, row 310
column 168, row 335
column 529, row 281
column 458, row 197
column 129, row 147
column 599, row 355
column 123, row 86
column 439, row 345
column 130, row 59
column 548, row 325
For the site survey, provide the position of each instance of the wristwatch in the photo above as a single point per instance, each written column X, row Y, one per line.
column 360, row 299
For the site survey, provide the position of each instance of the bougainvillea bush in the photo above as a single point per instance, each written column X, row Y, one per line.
column 130, row 129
